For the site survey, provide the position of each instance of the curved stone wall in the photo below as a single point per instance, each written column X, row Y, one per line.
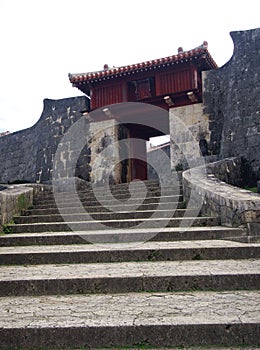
column 231, row 99
column 27, row 155
column 234, row 206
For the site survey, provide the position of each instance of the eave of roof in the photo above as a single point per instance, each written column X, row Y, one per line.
column 181, row 57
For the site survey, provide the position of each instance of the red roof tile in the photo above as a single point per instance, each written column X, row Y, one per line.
column 182, row 56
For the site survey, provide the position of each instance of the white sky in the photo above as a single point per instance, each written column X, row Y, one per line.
column 43, row 40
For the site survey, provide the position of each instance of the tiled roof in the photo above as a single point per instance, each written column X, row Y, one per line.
column 182, row 56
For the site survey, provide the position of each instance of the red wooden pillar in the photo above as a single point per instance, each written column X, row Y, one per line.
column 139, row 158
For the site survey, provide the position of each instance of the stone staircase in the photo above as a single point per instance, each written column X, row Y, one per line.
column 77, row 274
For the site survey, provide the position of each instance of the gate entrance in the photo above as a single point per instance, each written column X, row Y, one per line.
column 125, row 128
column 167, row 82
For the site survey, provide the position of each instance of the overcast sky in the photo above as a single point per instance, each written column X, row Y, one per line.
column 44, row 40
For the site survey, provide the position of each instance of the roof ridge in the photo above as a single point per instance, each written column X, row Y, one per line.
column 108, row 71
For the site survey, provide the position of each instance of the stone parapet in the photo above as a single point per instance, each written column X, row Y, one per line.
column 13, row 200
column 234, row 206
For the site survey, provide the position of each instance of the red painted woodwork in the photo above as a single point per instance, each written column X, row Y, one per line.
column 169, row 82
column 148, row 81
column 138, row 157
column 139, row 170
column 175, row 81
column 105, row 95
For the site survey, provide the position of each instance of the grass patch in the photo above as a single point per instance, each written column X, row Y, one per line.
column 7, row 229
column 252, row 189
column 22, row 202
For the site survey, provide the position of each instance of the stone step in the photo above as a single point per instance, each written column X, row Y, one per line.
column 156, row 222
column 137, row 320
column 117, row 193
column 156, row 199
column 121, row 215
column 125, row 277
column 99, row 208
column 114, row 189
column 123, row 235
column 94, row 200
column 122, row 186
column 141, row 285
column 147, row 251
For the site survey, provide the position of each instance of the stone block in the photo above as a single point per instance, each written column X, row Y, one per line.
column 13, row 200
column 28, row 154
column 234, row 207
column 233, row 112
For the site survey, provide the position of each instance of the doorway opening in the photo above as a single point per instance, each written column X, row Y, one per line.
column 142, row 143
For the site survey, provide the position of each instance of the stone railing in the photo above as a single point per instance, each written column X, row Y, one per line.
column 233, row 205
column 14, row 199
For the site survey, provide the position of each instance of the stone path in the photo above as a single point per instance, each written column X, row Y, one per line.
column 109, row 319
column 192, row 287
column 131, row 309
column 131, row 270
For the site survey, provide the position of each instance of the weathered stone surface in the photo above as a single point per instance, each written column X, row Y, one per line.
column 154, row 157
column 233, row 205
column 27, row 155
column 13, row 200
column 229, row 170
column 231, row 98
column 104, row 152
column 148, row 251
column 122, row 277
column 157, row 319
column 189, row 132
column 153, row 319
column 123, row 235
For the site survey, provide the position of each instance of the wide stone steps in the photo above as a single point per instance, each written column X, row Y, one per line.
column 157, row 222
column 122, row 194
column 121, row 278
column 146, row 251
column 100, row 208
column 119, row 215
column 109, row 202
column 87, row 187
column 124, row 235
column 125, row 277
column 134, row 320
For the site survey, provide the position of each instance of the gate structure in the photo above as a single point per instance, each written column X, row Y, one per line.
column 167, row 83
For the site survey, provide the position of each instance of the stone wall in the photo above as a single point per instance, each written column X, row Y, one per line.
column 231, row 98
column 190, row 135
column 159, row 165
column 229, row 171
column 234, row 206
column 13, row 200
column 28, row 155
column 104, row 149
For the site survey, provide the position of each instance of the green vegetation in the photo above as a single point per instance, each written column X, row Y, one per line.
column 154, row 255
column 21, row 202
column 252, row 189
column 7, row 229
column 197, row 257
column 179, row 167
